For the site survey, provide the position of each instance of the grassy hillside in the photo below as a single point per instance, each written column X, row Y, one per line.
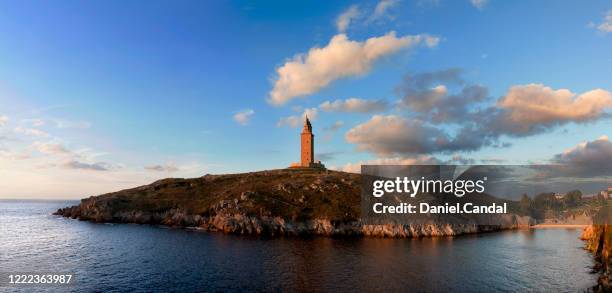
column 290, row 194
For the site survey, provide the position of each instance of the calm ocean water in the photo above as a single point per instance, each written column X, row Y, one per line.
column 135, row 258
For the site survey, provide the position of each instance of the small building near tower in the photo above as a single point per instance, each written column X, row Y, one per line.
column 307, row 149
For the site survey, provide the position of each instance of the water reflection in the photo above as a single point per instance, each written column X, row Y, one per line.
column 134, row 257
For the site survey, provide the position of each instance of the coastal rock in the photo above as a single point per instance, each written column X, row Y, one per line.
column 598, row 238
column 275, row 203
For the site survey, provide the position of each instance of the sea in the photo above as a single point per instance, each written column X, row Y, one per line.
column 143, row 258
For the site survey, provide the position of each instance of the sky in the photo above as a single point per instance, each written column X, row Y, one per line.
column 97, row 96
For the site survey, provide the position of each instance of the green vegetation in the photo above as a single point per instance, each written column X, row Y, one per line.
column 549, row 205
column 290, row 194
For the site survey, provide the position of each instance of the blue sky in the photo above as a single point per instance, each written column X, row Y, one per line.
column 102, row 95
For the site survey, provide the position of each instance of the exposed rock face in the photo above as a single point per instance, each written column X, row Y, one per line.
column 280, row 202
column 598, row 238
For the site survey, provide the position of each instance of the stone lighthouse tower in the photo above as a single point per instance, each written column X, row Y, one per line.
column 307, row 156
column 307, row 149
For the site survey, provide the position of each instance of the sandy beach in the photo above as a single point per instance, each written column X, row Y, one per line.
column 552, row 226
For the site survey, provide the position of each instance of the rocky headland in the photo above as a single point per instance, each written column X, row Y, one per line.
column 598, row 238
column 276, row 202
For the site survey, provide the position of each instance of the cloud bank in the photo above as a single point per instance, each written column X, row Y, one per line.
column 427, row 95
column 588, row 159
column 393, row 135
column 442, row 113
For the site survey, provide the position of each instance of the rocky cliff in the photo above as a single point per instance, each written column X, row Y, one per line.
column 277, row 202
column 598, row 238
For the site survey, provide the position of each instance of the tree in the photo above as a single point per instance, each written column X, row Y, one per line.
column 526, row 205
column 572, row 198
column 545, row 201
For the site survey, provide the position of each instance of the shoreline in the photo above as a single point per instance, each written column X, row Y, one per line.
column 278, row 227
column 272, row 202
column 559, row 226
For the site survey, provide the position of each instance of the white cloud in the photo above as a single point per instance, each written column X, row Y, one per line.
column 344, row 19
column 3, row 120
column 382, row 7
column 532, row 106
column 480, row 4
column 31, row 132
column 82, row 159
column 353, row 105
column 305, row 74
column 243, row 117
column 295, row 121
column 606, row 25
column 167, row 167
column 50, row 148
